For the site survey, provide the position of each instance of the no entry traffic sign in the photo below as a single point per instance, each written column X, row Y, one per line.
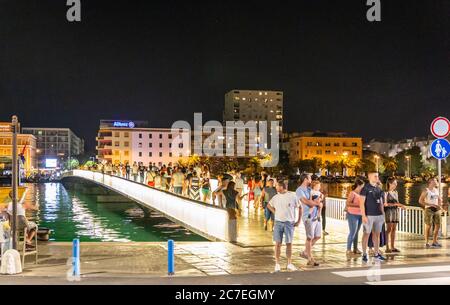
column 440, row 127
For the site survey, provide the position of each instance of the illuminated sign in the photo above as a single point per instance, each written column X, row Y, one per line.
column 51, row 163
column 5, row 127
column 124, row 124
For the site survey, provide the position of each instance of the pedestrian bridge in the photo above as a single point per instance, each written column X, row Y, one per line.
column 204, row 219
column 213, row 223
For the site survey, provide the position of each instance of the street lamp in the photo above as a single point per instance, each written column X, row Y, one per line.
column 377, row 158
column 14, row 177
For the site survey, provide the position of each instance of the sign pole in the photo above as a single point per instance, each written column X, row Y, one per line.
column 440, row 177
column 14, row 177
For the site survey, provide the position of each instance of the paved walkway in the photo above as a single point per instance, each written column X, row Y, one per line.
column 106, row 259
column 251, row 231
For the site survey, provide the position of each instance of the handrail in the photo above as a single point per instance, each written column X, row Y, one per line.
column 411, row 219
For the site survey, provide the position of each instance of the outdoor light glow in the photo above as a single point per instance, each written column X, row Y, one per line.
column 210, row 220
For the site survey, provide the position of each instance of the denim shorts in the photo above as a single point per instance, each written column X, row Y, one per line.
column 285, row 228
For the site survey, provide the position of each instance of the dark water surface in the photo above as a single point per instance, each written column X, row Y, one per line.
column 71, row 214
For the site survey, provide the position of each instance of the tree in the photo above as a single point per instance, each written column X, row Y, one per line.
column 336, row 167
column 415, row 155
column 89, row 164
column 74, row 163
column 368, row 166
column 355, row 164
column 391, row 165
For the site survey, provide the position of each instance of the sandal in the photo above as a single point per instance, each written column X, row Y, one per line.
column 313, row 264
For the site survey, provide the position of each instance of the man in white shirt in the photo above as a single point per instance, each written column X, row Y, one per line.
column 284, row 206
column 178, row 181
column 22, row 222
column 432, row 203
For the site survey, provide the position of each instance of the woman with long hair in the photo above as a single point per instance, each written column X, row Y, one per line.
column 391, row 205
column 354, row 217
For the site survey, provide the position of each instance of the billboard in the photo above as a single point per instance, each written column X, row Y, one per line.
column 51, row 163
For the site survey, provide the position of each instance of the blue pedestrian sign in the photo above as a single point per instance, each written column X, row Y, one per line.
column 440, row 149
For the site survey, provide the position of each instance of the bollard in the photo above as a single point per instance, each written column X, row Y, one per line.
column 76, row 257
column 171, row 257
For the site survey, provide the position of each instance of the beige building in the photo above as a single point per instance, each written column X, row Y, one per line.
column 329, row 147
column 26, row 145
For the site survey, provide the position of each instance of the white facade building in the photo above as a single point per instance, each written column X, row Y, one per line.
column 153, row 145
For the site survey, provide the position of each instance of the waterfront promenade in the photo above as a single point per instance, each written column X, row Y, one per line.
column 134, row 260
column 251, row 254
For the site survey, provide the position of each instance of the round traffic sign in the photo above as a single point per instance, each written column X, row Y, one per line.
column 440, row 149
column 440, row 128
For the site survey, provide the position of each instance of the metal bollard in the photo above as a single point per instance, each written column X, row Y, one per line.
column 76, row 257
column 171, row 257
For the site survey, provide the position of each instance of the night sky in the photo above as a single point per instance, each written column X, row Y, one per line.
column 162, row 60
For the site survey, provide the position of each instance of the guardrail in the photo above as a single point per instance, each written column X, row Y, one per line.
column 411, row 219
column 204, row 219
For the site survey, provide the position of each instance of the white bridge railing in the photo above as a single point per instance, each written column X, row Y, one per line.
column 205, row 219
column 411, row 219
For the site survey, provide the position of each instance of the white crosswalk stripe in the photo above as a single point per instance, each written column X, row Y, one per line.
column 423, row 281
column 381, row 276
column 393, row 271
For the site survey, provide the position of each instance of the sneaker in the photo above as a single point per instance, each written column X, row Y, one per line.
column 380, row 257
column 436, row 245
column 427, row 246
column 277, row 268
column 291, row 267
column 365, row 258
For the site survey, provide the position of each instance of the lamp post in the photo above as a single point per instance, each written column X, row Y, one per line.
column 14, row 177
column 377, row 158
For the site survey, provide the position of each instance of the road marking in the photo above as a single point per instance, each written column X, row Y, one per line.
column 424, row 281
column 393, row 271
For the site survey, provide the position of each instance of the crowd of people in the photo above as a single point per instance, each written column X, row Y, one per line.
column 370, row 206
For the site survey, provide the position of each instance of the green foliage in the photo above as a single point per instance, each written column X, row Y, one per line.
column 74, row 163
column 390, row 165
column 417, row 165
